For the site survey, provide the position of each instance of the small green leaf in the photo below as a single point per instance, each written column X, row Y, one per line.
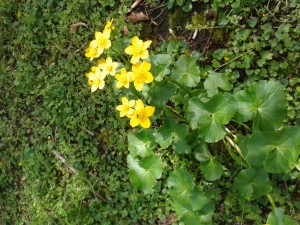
column 141, row 143
column 161, row 92
column 202, row 154
column 209, row 117
column 144, row 172
column 186, row 71
column 252, row 183
column 211, row 169
column 276, row 217
column 264, row 102
column 215, row 81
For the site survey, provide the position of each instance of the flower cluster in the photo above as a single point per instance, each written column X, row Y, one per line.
column 139, row 74
column 136, row 111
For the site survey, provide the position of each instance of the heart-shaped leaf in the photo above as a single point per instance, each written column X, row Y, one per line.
column 209, row 117
column 264, row 103
column 186, row 71
column 211, row 169
column 144, row 172
column 252, row 183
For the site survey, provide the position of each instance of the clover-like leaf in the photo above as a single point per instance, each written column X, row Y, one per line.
column 161, row 92
column 186, row 71
column 215, row 81
column 143, row 173
column 172, row 133
column 276, row 217
column 141, row 143
column 252, row 183
column 264, row 103
column 209, row 117
column 277, row 151
column 160, row 65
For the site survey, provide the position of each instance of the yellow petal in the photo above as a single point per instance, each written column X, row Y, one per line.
column 145, row 66
column 119, row 84
column 146, row 44
column 145, row 55
column 149, row 110
column 135, row 59
column 94, row 87
column 139, row 105
column 134, row 122
column 131, row 103
column 136, row 67
column 138, row 86
column 129, row 50
column 124, row 100
column 135, row 40
column 149, row 78
column 119, row 107
column 145, row 123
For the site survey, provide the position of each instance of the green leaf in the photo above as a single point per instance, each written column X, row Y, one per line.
column 186, row 71
column 160, row 65
column 276, row 151
column 161, row 92
column 189, row 202
column 202, row 154
column 209, row 117
column 141, row 143
column 144, row 172
column 211, row 169
column 173, row 133
column 215, row 81
column 264, row 103
column 276, row 217
column 252, row 183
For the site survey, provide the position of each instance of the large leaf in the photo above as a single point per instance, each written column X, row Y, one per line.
column 141, row 143
column 264, row 103
column 161, row 92
column 215, row 81
column 277, row 151
column 160, row 65
column 252, row 183
column 209, row 117
column 173, row 133
column 191, row 204
column 144, row 172
column 186, row 71
column 276, row 217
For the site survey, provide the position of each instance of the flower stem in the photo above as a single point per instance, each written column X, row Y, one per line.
column 271, row 201
column 122, row 57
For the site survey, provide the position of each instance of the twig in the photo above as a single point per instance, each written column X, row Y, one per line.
column 63, row 160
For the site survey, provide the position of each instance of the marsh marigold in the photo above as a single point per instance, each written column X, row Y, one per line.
column 138, row 50
column 142, row 114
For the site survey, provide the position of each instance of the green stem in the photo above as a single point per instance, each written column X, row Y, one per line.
column 181, row 86
column 177, row 115
column 122, row 57
column 271, row 201
column 242, row 124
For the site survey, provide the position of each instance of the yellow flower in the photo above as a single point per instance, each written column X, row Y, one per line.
column 126, row 107
column 138, row 50
column 109, row 26
column 142, row 115
column 101, row 41
column 141, row 74
column 124, row 78
column 226, row 58
column 92, row 53
column 96, row 78
column 108, row 67
column 19, row 14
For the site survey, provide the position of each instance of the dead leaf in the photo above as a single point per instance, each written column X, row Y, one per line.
column 137, row 17
column 74, row 27
column 135, row 4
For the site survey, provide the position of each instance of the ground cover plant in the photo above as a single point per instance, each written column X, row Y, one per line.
column 195, row 104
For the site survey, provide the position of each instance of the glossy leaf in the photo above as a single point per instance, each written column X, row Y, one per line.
column 276, row 151
column 186, row 71
column 264, row 103
column 209, row 117
column 141, row 143
column 161, row 92
column 215, row 81
column 276, row 217
column 211, row 169
column 252, row 183
column 143, row 173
